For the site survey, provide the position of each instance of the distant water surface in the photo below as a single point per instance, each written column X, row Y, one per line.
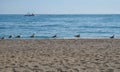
column 65, row 26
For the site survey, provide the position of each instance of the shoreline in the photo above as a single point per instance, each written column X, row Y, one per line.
column 69, row 38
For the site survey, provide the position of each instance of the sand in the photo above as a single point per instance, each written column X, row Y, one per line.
column 60, row 55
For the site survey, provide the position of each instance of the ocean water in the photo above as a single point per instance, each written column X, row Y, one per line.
column 65, row 26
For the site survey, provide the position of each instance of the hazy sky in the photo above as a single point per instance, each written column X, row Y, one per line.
column 60, row 6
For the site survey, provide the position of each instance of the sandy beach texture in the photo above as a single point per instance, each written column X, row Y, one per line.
column 60, row 55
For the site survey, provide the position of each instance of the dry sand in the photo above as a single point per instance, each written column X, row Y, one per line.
column 60, row 55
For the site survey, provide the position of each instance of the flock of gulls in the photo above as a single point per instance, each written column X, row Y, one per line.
column 54, row 36
column 18, row 36
column 33, row 36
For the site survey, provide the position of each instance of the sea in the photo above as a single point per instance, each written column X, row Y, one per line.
column 44, row 26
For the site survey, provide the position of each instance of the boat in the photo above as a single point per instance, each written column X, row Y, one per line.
column 28, row 14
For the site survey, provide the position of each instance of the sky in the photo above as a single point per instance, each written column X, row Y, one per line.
column 60, row 6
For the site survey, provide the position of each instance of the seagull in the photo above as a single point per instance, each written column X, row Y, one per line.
column 77, row 35
column 33, row 35
column 2, row 38
column 54, row 36
column 112, row 37
column 10, row 36
column 18, row 36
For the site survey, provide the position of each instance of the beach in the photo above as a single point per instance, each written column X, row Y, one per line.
column 60, row 55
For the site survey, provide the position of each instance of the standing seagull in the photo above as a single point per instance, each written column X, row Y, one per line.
column 2, row 38
column 18, row 36
column 54, row 36
column 77, row 35
column 112, row 37
column 10, row 36
column 33, row 35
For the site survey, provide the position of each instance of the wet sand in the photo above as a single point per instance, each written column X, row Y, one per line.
column 60, row 55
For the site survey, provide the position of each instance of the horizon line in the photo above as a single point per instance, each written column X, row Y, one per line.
column 64, row 13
